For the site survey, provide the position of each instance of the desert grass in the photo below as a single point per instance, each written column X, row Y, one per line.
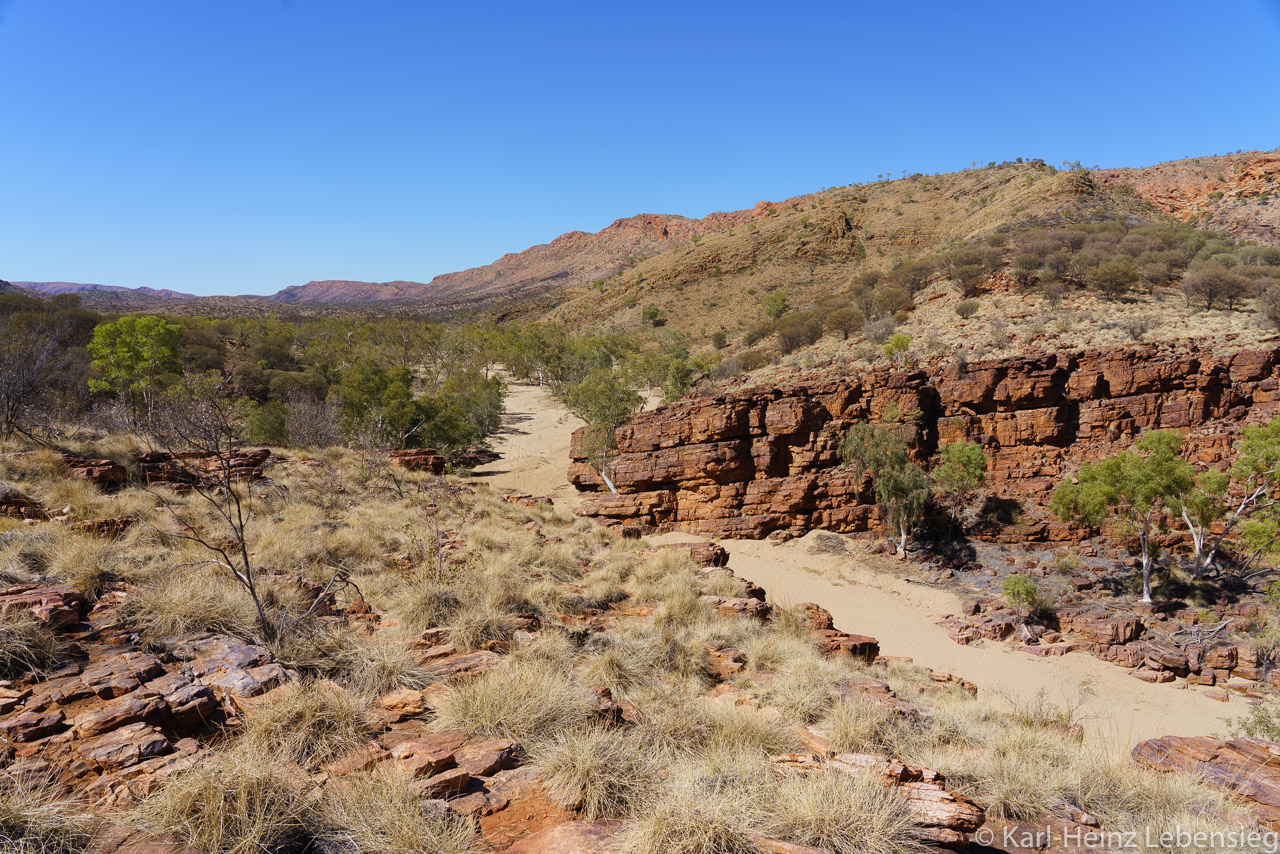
column 602, row 772
column 241, row 802
column 192, row 600
column 699, row 810
column 382, row 814
column 527, row 701
column 843, row 814
column 26, row 644
column 35, row 821
column 367, row 665
column 311, row 726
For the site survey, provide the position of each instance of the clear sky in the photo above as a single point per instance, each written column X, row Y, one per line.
column 240, row 146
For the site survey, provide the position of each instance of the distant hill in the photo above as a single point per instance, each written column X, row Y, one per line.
column 570, row 259
column 704, row 272
column 333, row 291
column 52, row 288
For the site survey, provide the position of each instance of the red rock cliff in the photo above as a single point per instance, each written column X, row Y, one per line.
column 758, row 460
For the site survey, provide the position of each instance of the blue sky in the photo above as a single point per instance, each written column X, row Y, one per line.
column 240, row 146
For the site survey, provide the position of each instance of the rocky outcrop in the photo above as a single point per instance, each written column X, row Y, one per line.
column 1247, row 767
column 759, row 460
column 177, row 470
column 17, row 505
column 420, row 459
column 1228, row 193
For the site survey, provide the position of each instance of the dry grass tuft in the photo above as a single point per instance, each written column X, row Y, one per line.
column 381, row 814
column 367, row 665
column 188, row 601
column 700, row 811
column 242, row 802
column 602, row 772
column 842, row 814
column 25, row 644
column 311, row 726
column 528, row 701
column 33, row 821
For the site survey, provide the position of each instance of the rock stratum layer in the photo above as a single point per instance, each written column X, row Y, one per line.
column 758, row 460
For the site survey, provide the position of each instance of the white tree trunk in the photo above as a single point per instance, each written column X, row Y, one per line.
column 1146, row 570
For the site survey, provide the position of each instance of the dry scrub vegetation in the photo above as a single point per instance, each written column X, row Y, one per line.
column 692, row 775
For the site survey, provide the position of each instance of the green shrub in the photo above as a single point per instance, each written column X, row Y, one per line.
column 1023, row 594
column 897, row 344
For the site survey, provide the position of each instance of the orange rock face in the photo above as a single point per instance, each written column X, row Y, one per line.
column 759, row 460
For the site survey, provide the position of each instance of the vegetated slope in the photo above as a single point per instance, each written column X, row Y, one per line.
column 1232, row 193
column 813, row 245
column 78, row 288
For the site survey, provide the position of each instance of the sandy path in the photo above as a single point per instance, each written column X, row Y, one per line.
column 1117, row 709
column 533, row 445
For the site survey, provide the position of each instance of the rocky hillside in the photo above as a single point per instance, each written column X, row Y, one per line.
column 1235, row 193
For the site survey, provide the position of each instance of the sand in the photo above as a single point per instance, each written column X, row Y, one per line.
column 1117, row 710
column 533, row 446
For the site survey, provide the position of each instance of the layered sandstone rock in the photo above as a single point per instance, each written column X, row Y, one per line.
column 759, row 460
column 180, row 470
column 1246, row 767
column 420, row 459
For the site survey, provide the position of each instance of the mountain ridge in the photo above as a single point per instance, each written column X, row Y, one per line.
column 1230, row 193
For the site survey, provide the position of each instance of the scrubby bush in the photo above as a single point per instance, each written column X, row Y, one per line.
column 1213, row 284
column 1022, row 594
column 888, row 300
column 1269, row 305
column 777, row 304
column 967, row 308
column 1112, row 278
column 798, row 330
column 879, row 331
column 845, row 320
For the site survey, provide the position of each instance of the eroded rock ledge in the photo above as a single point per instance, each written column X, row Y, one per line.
column 758, row 460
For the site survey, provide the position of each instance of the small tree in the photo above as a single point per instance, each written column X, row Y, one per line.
column 1213, row 284
column 652, row 315
column 131, row 355
column 1132, row 487
column 1269, row 301
column 846, row 321
column 777, row 304
column 1112, row 278
column 897, row 344
column 605, row 401
column 901, row 487
column 1241, row 498
column 961, row 470
column 197, row 417
column 1023, row 595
